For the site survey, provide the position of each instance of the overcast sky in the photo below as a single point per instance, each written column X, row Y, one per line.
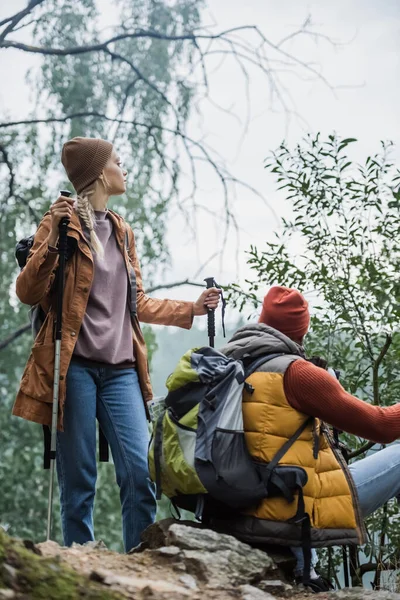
column 364, row 68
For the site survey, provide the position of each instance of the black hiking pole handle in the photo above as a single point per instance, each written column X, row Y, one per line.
column 210, row 282
column 62, row 248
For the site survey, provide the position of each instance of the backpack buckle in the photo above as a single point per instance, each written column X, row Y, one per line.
column 248, row 388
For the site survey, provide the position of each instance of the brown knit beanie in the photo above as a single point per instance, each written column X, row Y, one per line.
column 84, row 160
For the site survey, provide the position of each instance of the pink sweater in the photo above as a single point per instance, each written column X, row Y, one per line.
column 106, row 332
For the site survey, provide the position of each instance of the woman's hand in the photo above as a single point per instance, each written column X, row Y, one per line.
column 208, row 299
column 62, row 208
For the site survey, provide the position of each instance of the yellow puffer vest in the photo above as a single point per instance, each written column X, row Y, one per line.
column 269, row 421
column 329, row 494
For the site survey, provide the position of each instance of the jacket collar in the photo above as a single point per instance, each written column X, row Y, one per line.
column 258, row 339
column 118, row 222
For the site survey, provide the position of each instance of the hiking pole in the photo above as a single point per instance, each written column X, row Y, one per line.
column 211, row 314
column 62, row 249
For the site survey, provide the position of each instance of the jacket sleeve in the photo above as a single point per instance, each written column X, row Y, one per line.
column 155, row 310
column 311, row 390
column 35, row 279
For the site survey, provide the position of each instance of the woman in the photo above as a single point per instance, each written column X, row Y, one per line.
column 104, row 369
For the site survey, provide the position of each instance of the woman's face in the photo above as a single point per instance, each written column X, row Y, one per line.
column 114, row 175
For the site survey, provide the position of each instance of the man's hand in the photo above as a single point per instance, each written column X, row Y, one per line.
column 208, row 299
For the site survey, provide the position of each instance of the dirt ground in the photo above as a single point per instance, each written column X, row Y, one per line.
column 147, row 574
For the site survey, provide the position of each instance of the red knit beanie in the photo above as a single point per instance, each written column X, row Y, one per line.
column 286, row 310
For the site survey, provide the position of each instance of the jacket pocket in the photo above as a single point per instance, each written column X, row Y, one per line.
column 37, row 381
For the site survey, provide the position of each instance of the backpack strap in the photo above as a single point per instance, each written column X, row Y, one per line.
column 301, row 516
column 104, row 454
column 46, row 446
column 285, row 447
column 126, row 240
column 304, row 518
column 132, row 281
column 158, row 453
column 258, row 362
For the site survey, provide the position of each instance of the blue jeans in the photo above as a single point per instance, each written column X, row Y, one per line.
column 377, row 479
column 114, row 397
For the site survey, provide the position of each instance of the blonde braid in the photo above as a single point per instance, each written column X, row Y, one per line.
column 85, row 211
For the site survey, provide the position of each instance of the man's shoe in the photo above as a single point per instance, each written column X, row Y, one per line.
column 316, row 585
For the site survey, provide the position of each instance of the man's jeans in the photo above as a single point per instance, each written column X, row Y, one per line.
column 114, row 397
column 377, row 479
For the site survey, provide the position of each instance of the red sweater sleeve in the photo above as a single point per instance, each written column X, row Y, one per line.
column 313, row 391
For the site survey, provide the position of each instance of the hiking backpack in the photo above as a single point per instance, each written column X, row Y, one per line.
column 198, row 445
column 22, row 249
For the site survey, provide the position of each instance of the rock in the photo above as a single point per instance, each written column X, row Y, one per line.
column 284, row 559
column 132, row 583
column 249, row 592
column 362, row 594
column 155, row 535
column 7, row 594
column 48, row 548
column 276, row 586
column 189, row 581
column 32, row 576
column 92, row 545
column 139, row 548
column 179, row 567
column 167, row 551
column 205, row 539
column 8, row 574
column 217, row 559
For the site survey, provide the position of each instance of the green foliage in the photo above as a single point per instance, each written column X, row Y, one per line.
column 340, row 244
column 346, row 223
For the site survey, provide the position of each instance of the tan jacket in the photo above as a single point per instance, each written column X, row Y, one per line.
column 35, row 285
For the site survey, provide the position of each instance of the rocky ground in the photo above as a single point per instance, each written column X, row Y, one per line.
column 175, row 562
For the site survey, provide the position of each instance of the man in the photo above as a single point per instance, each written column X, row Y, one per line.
column 286, row 392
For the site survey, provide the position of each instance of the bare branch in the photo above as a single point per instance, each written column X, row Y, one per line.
column 16, row 334
column 139, row 33
column 117, row 56
column 169, row 286
column 187, row 142
column 390, row 565
column 14, row 20
column 375, row 370
column 11, row 185
column 361, row 450
column 209, row 259
column 305, row 30
column 6, row 161
column 121, row 110
column 195, row 36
